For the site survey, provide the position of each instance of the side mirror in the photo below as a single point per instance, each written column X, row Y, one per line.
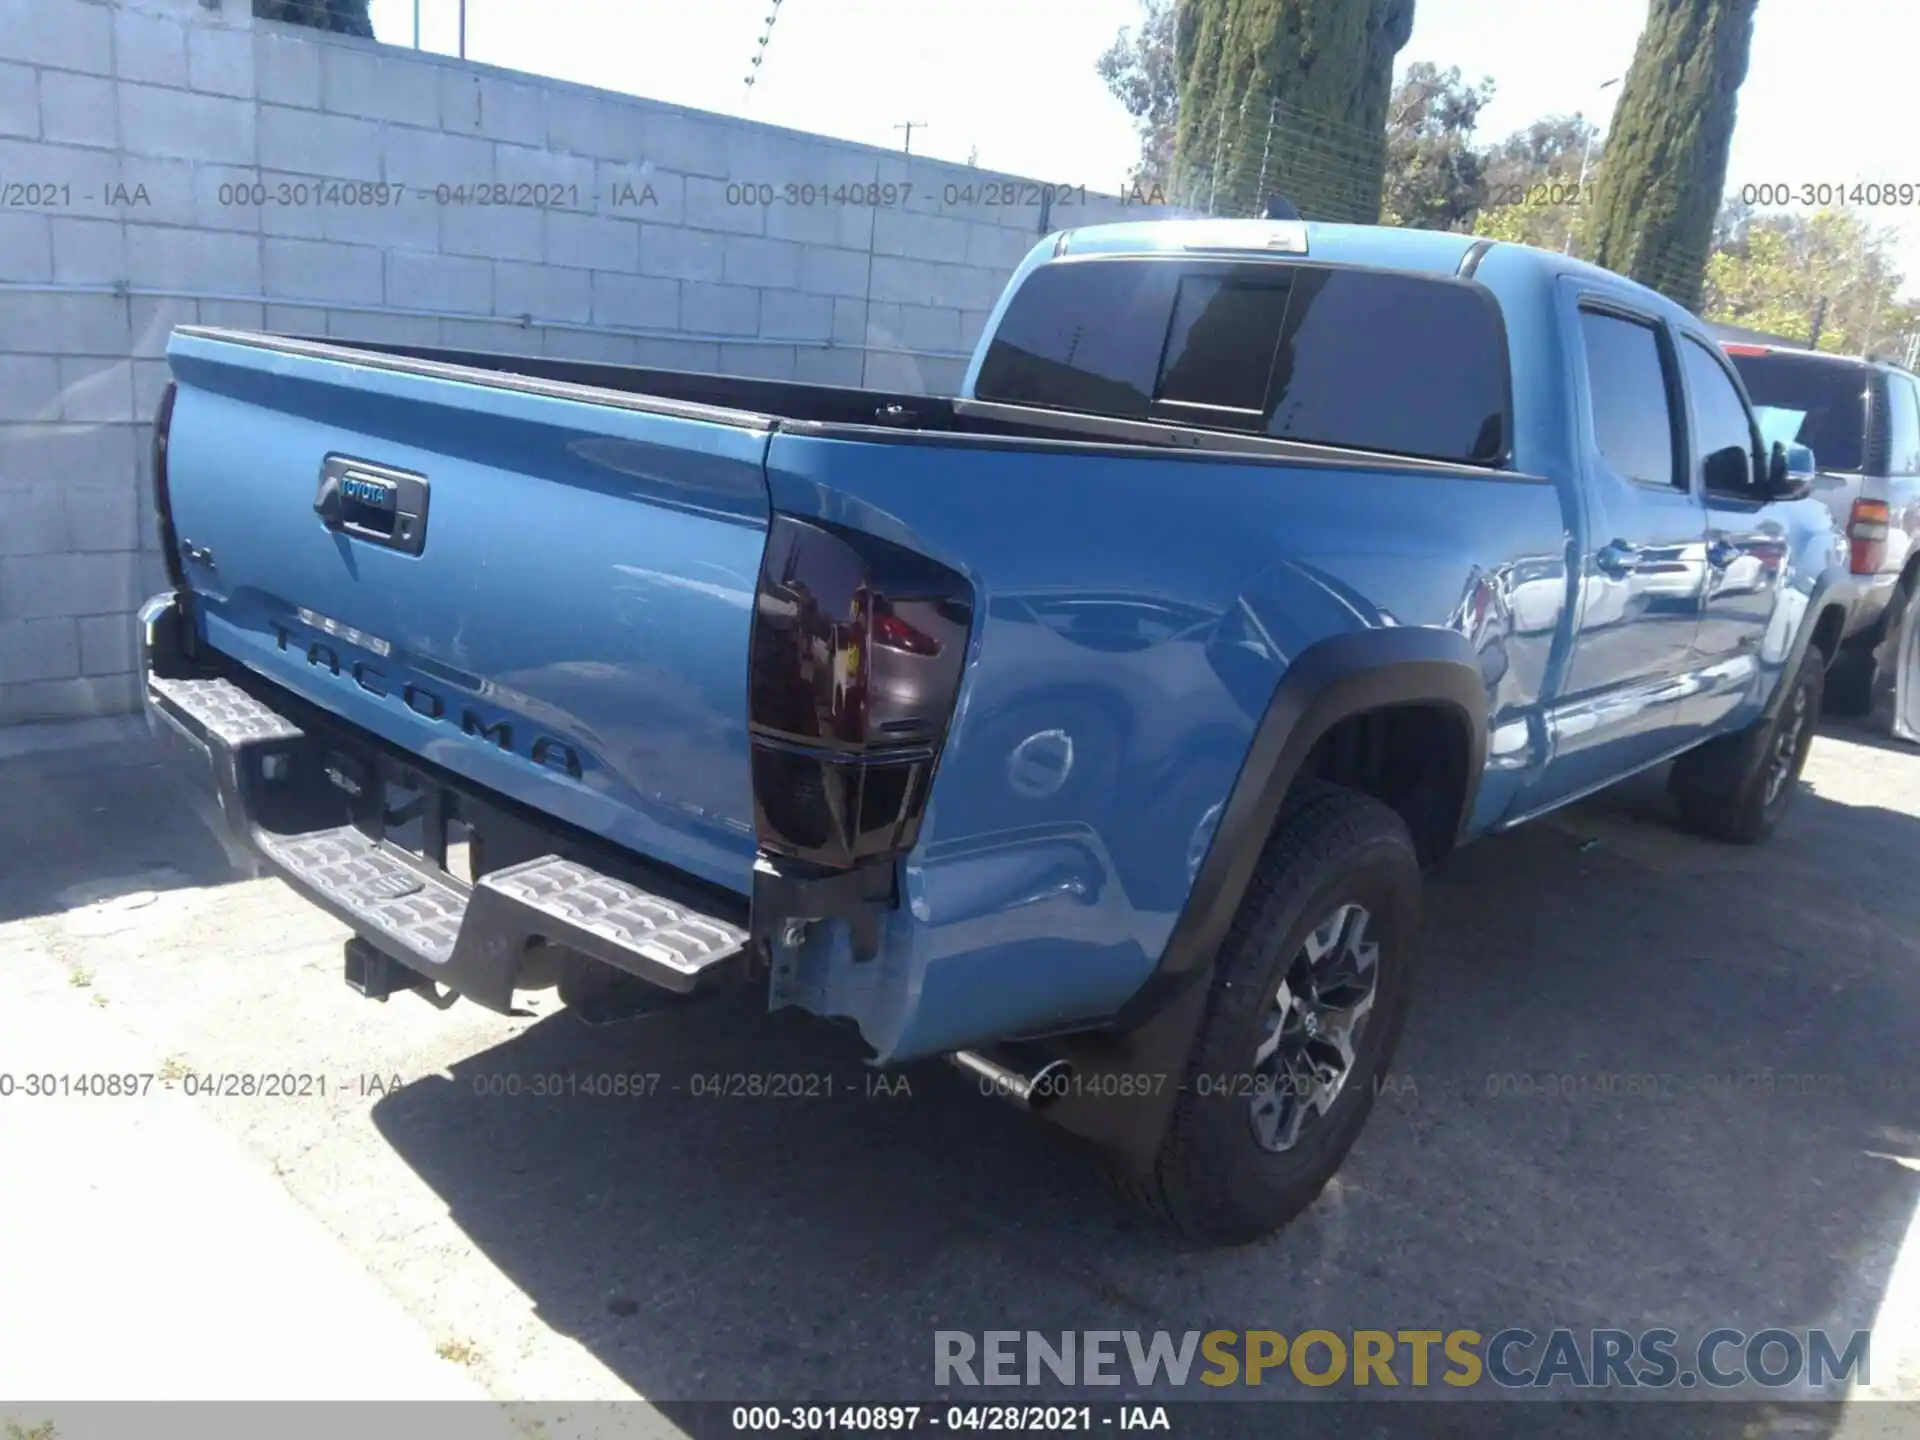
column 1729, row 471
column 1790, row 471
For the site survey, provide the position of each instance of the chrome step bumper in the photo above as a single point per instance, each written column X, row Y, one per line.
column 285, row 799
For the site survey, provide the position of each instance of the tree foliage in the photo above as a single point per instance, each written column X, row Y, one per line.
column 345, row 17
column 1534, row 192
column 1434, row 176
column 1285, row 96
column 1200, row 78
column 1779, row 272
column 1138, row 68
column 1667, row 153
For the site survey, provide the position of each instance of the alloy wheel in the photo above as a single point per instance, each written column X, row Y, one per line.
column 1312, row 1028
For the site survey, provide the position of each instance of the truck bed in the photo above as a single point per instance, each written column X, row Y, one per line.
column 765, row 399
column 756, row 403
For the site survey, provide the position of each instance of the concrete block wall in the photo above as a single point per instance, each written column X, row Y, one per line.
column 191, row 165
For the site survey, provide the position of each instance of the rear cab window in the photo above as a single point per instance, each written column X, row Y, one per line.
column 1405, row 364
column 1804, row 399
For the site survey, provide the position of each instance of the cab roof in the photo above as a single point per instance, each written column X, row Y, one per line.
column 1435, row 251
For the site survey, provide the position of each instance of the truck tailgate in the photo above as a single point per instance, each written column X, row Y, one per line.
column 572, row 631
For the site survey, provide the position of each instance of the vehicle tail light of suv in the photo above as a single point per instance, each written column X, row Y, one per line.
column 854, row 665
column 1867, row 535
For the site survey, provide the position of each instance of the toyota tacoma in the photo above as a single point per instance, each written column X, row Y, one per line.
column 1092, row 727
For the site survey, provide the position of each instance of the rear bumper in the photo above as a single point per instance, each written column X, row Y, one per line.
column 1872, row 595
column 308, row 799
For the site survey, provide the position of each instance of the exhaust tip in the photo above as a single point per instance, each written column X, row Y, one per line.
column 1030, row 1092
column 1049, row 1083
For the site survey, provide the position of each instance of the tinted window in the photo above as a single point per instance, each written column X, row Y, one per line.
column 1820, row 403
column 1627, row 387
column 1723, row 438
column 1903, row 449
column 1391, row 362
column 1084, row 336
column 1371, row 360
column 1220, row 346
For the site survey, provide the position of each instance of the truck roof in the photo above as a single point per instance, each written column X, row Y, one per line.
column 1385, row 246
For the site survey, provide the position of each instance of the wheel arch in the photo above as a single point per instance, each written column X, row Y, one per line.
column 1333, row 681
column 1825, row 613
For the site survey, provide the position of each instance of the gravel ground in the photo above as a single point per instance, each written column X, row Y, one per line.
column 685, row 1248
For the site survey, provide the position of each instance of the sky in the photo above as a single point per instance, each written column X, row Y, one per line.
column 1825, row 100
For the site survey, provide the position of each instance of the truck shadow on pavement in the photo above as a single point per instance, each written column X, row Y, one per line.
column 56, row 854
column 1647, row 1081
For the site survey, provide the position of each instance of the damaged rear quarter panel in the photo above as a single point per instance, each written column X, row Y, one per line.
column 1133, row 614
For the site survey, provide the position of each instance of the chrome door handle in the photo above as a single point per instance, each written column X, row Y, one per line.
column 1722, row 553
column 1617, row 557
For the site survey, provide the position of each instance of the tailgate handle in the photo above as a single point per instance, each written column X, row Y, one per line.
column 373, row 503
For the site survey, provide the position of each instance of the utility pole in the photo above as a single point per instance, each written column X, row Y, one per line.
column 1219, row 154
column 463, row 29
column 1586, row 163
column 910, row 126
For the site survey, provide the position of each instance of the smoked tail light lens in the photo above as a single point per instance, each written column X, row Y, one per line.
column 162, row 499
column 1867, row 536
column 853, row 669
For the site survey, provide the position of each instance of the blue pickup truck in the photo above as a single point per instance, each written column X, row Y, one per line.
column 1092, row 728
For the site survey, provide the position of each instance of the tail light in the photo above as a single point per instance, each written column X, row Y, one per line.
column 162, row 500
column 1867, row 535
column 853, row 669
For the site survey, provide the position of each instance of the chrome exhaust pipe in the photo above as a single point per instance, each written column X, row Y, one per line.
column 1029, row 1092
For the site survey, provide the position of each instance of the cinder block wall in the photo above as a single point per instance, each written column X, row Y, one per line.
column 142, row 128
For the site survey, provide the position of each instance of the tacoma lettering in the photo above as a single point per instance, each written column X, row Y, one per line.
column 545, row 751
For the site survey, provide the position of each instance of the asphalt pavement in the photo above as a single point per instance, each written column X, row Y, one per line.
column 1647, row 1081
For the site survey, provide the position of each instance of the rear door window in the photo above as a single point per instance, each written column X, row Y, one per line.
column 1411, row 365
column 1629, row 394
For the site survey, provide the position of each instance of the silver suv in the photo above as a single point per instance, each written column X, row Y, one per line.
column 1861, row 419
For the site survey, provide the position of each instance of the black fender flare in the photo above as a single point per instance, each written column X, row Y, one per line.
column 1152, row 1037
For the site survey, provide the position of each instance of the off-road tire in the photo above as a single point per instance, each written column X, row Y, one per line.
column 1211, row 1179
column 1723, row 788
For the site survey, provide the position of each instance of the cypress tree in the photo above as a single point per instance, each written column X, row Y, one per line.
column 347, row 17
column 1666, row 155
column 1287, row 97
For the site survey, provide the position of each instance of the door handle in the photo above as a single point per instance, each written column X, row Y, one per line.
column 1617, row 557
column 373, row 504
column 1722, row 553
